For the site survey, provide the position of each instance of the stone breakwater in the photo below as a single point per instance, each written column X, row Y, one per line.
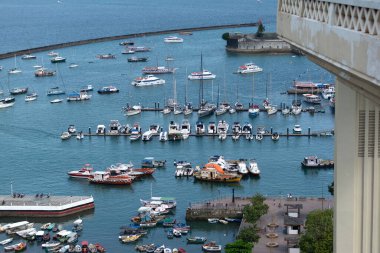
column 119, row 37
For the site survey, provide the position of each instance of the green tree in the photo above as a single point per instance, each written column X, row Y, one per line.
column 249, row 234
column 318, row 237
column 252, row 213
column 260, row 29
column 239, row 246
column 226, row 36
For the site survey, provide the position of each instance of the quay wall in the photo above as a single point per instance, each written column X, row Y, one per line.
column 119, row 37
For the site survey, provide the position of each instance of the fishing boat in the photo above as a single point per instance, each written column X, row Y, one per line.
column 147, row 81
column 18, row 91
column 315, row 162
column 87, row 88
column 31, row 97
column 253, row 168
column 85, row 172
column 137, row 59
column 75, row 96
column 43, row 72
column 126, row 43
column 103, row 177
column 203, row 75
column 58, row 59
column 139, row 49
column 196, row 239
column 106, row 56
column 158, row 70
column 249, row 68
column 55, row 91
column 212, row 247
column 108, row 90
column 173, row 39
column 214, row 173
column 312, row 99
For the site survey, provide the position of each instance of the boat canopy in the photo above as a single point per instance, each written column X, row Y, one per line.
column 215, row 166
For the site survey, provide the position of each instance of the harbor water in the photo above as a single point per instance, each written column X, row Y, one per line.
column 35, row 160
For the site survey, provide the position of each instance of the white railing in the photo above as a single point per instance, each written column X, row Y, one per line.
column 359, row 18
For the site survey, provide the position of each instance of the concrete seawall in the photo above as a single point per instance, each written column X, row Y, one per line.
column 118, row 37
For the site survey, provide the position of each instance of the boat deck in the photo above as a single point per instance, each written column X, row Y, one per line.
column 33, row 200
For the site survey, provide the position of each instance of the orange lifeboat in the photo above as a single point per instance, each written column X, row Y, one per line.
column 215, row 166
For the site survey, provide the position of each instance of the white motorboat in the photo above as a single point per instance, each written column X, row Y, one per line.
column 222, row 129
column 7, row 102
column 275, row 136
column 148, row 80
column 205, row 75
column 253, row 167
column 100, row 129
column 134, row 110
column 53, row 54
column 242, row 167
column 328, row 93
column 297, row 129
column 272, row 110
column 232, row 110
column 166, row 110
column 58, row 59
column 31, row 97
column 114, row 126
column 296, row 109
column 259, row 137
column 155, row 128
column 147, row 136
column 55, row 101
column 73, row 65
column 236, row 131
column 249, row 68
column 173, row 39
column 14, row 71
column 28, row 57
column 158, row 70
column 211, row 129
column 65, row 136
column 163, row 136
column 135, row 132
column 174, row 132
column 185, row 127
column 212, row 247
column 6, row 241
column 213, row 220
column 200, row 128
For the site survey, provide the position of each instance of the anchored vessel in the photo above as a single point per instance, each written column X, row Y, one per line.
column 43, row 205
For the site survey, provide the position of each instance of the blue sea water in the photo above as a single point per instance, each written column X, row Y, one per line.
column 35, row 159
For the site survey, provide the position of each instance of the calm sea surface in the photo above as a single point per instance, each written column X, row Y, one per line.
column 35, row 159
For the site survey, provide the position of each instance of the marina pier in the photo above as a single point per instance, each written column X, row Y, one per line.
column 43, row 205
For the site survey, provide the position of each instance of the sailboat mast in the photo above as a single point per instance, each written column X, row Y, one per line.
column 187, row 81
column 201, row 79
column 253, row 86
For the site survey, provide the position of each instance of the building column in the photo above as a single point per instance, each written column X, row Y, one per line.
column 357, row 171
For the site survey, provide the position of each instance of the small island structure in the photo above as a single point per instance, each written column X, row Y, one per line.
column 257, row 43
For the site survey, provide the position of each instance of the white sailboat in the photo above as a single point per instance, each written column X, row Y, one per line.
column 15, row 70
column 188, row 108
column 253, row 110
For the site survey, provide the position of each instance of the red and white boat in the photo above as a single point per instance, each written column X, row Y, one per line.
column 85, row 172
column 103, row 177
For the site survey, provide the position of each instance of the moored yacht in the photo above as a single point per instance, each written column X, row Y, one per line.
column 158, row 70
column 114, row 127
column 222, row 129
column 253, row 167
column 249, row 68
column 108, row 90
column 147, row 81
column 174, row 132
column 211, row 129
column 185, row 128
column 147, row 136
column 85, row 172
column 7, row 102
column 173, row 39
column 253, row 111
column 200, row 128
column 58, row 59
column 205, row 75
